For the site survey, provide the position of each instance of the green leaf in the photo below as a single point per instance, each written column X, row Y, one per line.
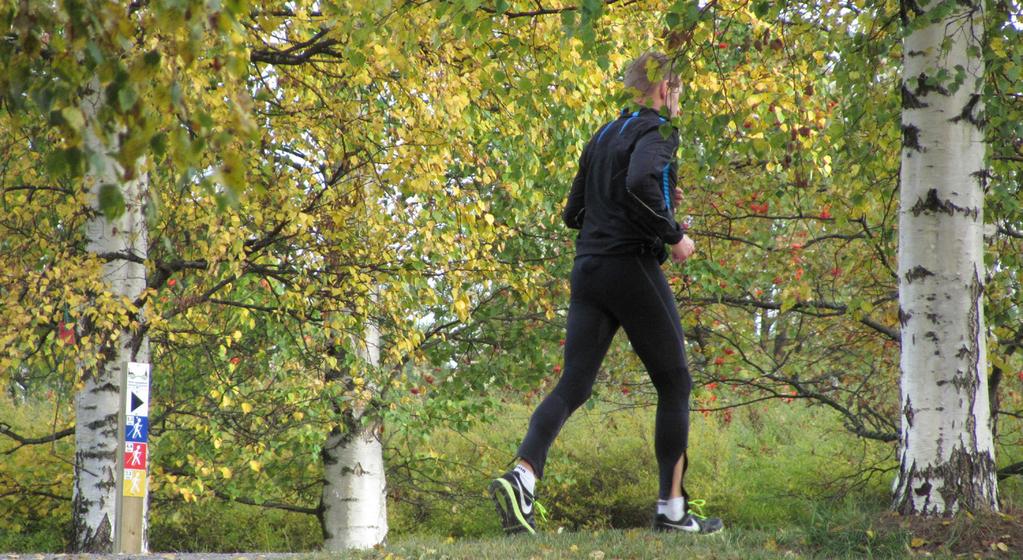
column 126, row 98
column 73, row 117
column 159, row 143
column 111, row 201
column 152, row 58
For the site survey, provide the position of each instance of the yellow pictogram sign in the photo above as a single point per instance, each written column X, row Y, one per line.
column 135, row 483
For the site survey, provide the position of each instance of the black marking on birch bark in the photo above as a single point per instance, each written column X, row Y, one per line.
column 932, row 204
column 911, row 138
column 931, row 335
column 904, row 316
column 903, row 477
column 967, row 115
column 327, row 454
column 963, row 383
column 107, row 387
column 907, row 411
column 911, row 101
column 916, row 273
column 100, row 541
column 959, row 489
column 972, row 376
column 963, row 352
column 982, row 178
column 110, row 454
column 108, row 484
column 102, row 423
column 923, row 490
column 993, row 381
column 357, row 470
column 923, row 88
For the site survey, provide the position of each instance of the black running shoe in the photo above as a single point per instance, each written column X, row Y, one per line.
column 691, row 522
column 514, row 503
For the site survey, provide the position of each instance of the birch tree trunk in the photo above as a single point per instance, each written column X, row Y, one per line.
column 122, row 243
column 946, row 450
column 353, row 506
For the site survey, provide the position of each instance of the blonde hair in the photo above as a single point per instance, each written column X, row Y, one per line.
column 648, row 70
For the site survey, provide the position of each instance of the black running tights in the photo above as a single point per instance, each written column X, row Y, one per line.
column 607, row 292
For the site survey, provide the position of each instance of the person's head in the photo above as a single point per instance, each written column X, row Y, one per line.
column 653, row 82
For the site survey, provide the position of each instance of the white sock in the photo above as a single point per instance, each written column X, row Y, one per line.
column 528, row 479
column 673, row 508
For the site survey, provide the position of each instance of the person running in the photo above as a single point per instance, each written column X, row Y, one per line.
column 622, row 200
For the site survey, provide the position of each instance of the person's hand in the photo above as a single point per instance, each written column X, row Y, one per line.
column 676, row 197
column 683, row 249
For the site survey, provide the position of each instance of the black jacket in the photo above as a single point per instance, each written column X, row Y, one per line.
column 621, row 196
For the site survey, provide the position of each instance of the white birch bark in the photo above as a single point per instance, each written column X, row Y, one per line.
column 946, row 450
column 97, row 404
column 354, row 500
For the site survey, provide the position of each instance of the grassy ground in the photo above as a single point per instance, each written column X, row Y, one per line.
column 877, row 536
column 788, row 481
column 631, row 543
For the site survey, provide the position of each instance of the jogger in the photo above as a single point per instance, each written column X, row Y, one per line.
column 621, row 201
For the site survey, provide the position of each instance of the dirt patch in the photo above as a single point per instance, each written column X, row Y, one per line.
column 989, row 535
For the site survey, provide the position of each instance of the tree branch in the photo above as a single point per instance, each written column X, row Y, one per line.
column 270, row 505
column 1006, row 472
column 6, row 430
column 805, row 307
column 541, row 11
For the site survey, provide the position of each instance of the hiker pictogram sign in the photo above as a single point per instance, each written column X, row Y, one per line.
column 136, row 429
column 135, row 455
column 135, row 483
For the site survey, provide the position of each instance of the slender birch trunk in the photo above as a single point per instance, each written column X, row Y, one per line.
column 946, row 450
column 97, row 404
column 353, row 506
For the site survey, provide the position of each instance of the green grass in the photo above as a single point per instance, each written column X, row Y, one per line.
column 767, row 469
column 746, row 544
column 788, row 481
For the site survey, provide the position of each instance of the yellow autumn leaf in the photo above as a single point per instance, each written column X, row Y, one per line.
column 225, row 472
column 917, row 542
column 255, row 465
column 462, row 309
column 246, row 408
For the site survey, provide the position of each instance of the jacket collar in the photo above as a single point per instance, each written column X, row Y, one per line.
column 643, row 111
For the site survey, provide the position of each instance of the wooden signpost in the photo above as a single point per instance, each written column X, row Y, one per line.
column 131, row 526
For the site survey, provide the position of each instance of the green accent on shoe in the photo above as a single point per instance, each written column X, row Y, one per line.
column 541, row 510
column 515, row 504
column 698, row 504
